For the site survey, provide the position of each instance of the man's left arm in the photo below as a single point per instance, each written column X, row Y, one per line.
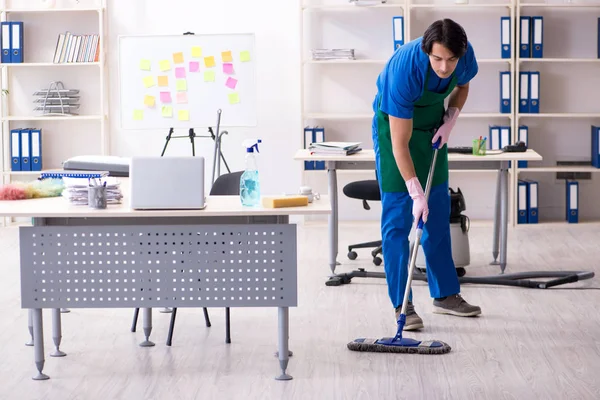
column 458, row 97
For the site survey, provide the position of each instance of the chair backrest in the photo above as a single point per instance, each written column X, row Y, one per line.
column 227, row 184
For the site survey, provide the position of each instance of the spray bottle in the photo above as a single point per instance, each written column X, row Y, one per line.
column 249, row 182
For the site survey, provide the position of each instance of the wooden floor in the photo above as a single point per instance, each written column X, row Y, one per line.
column 528, row 344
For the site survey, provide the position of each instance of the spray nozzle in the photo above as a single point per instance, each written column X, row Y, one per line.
column 252, row 144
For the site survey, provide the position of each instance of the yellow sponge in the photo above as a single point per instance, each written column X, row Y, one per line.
column 284, row 201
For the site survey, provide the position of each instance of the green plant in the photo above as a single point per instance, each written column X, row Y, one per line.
column 5, row 92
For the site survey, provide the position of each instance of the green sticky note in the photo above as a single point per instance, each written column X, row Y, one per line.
column 167, row 111
column 181, row 85
column 244, row 56
column 145, row 65
column 184, row 115
column 234, row 98
column 138, row 115
column 149, row 81
column 209, row 76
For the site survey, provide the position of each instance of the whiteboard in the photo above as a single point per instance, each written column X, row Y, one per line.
column 181, row 81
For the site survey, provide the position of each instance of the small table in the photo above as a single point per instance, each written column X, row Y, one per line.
column 226, row 255
column 365, row 160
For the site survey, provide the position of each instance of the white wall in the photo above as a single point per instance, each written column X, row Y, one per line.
column 565, row 87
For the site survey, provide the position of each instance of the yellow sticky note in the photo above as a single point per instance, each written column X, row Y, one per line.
column 149, row 81
column 163, row 80
column 234, row 98
column 138, row 115
column 226, row 56
column 145, row 65
column 167, row 111
column 164, row 65
column 183, row 115
column 196, row 51
column 209, row 76
column 178, row 58
column 149, row 101
column 181, row 85
column 244, row 56
column 209, row 61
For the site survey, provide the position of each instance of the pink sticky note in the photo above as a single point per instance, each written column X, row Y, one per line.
column 180, row 72
column 165, row 97
column 182, row 97
column 194, row 66
column 228, row 68
column 231, row 83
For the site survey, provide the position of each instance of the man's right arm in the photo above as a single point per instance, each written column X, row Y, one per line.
column 401, row 131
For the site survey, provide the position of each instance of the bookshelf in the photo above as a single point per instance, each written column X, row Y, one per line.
column 63, row 136
column 337, row 94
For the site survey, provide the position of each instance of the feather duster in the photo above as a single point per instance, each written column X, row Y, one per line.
column 32, row 190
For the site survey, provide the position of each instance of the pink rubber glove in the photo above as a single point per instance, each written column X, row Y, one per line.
column 420, row 208
column 443, row 132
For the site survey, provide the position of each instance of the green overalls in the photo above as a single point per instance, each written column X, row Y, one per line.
column 396, row 216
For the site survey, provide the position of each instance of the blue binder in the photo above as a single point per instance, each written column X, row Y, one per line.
column 537, row 42
column 15, row 149
column 532, row 201
column 525, row 38
column 505, row 37
column 523, row 136
column 494, row 135
column 572, row 201
column 319, row 137
column 505, row 92
column 598, row 37
column 16, row 42
column 534, row 92
column 35, row 150
column 595, row 146
column 308, row 139
column 6, row 42
column 25, row 149
column 522, row 202
column 398, row 27
column 524, row 92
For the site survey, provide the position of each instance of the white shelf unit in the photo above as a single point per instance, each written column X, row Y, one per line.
column 418, row 14
column 41, row 27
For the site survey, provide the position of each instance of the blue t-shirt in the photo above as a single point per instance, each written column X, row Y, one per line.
column 402, row 80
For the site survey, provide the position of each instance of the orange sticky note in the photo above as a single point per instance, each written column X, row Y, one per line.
column 226, row 56
column 178, row 58
column 163, row 80
column 209, row 61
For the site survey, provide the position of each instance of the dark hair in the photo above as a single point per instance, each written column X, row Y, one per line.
column 447, row 33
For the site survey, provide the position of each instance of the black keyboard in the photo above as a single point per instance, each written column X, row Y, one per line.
column 461, row 149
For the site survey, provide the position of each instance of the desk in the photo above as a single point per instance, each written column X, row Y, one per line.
column 365, row 160
column 226, row 255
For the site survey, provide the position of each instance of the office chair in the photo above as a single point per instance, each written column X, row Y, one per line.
column 367, row 190
column 225, row 185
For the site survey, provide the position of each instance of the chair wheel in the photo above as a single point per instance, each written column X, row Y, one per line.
column 352, row 255
column 460, row 272
column 377, row 261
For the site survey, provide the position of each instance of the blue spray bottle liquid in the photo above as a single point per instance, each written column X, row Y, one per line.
column 249, row 182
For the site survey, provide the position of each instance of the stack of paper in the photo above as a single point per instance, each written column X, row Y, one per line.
column 76, row 190
column 333, row 54
column 335, row 148
column 367, row 2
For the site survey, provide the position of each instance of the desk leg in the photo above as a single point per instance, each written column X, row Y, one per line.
column 38, row 344
column 147, row 325
column 283, row 352
column 503, row 215
column 496, row 240
column 30, row 327
column 57, row 333
column 333, row 217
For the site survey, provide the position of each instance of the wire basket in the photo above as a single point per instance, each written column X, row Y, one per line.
column 56, row 100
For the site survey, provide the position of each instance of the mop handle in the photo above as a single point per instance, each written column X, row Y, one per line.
column 418, row 233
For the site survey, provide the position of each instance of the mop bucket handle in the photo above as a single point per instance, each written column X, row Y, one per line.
column 436, row 147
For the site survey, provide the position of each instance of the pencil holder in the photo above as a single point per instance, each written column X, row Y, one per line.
column 97, row 197
column 478, row 147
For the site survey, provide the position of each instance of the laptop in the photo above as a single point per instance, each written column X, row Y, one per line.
column 159, row 183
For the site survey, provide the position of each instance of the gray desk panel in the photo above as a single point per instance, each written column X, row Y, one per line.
column 220, row 265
